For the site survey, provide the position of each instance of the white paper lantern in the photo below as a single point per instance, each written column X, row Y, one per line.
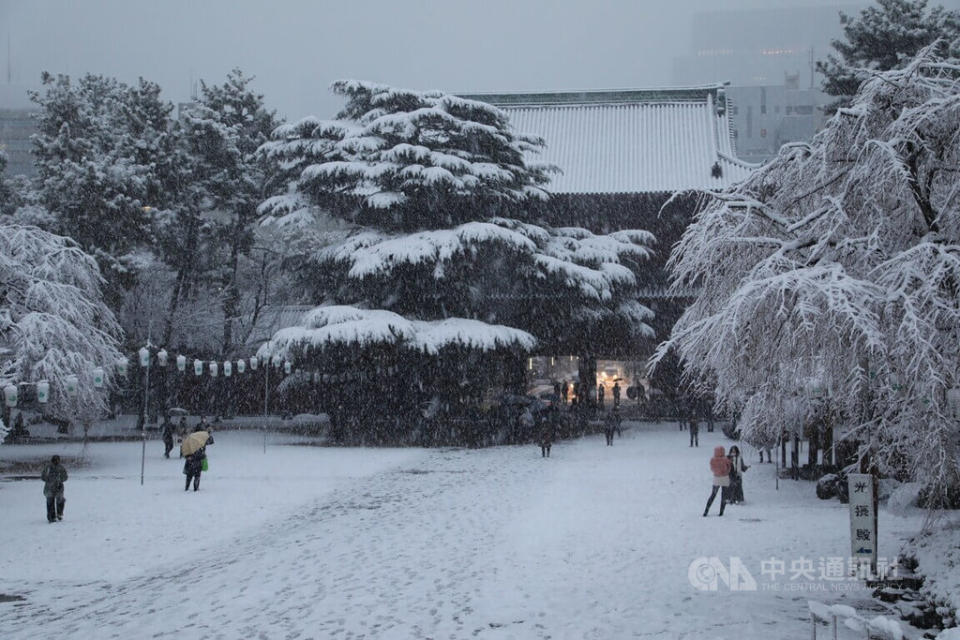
column 275, row 361
column 162, row 358
column 253, row 363
column 181, row 363
column 10, row 395
column 122, row 365
column 43, row 392
column 213, row 369
column 227, row 369
column 316, row 377
column 144, row 357
column 98, row 377
column 287, row 366
column 326, row 377
column 241, row 366
column 72, row 384
column 198, row 367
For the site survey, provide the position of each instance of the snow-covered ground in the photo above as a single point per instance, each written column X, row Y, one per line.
column 314, row 542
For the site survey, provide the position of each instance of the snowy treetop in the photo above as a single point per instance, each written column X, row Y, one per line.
column 389, row 147
column 345, row 325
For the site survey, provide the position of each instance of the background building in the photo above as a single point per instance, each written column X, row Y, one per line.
column 766, row 117
column 16, row 127
column 768, row 56
column 624, row 154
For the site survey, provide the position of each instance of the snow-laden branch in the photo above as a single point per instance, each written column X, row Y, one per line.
column 839, row 263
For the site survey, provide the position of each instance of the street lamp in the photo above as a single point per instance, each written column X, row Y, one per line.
column 144, row 354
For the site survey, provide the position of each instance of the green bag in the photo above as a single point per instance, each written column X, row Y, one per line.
column 205, row 466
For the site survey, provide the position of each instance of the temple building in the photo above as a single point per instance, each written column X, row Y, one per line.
column 624, row 154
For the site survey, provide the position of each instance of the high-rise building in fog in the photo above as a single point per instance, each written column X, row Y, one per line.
column 768, row 56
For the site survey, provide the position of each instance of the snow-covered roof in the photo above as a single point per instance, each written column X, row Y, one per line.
column 629, row 141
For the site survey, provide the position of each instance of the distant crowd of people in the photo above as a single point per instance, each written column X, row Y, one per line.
column 576, row 393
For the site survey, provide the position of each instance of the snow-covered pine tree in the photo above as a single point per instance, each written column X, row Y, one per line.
column 429, row 193
column 53, row 320
column 225, row 128
column 98, row 146
column 832, row 277
column 882, row 37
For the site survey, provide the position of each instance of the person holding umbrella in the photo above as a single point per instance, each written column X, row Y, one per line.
column 194, row 450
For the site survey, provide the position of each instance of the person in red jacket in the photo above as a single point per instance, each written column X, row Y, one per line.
column 720, row 466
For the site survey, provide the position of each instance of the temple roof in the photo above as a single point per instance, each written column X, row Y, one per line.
column 629, row 141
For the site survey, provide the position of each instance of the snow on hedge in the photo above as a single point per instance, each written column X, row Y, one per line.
column 342, row 325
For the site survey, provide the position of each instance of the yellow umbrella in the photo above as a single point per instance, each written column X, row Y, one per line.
column 194, row 442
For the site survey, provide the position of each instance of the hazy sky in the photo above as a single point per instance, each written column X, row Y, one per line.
column 295, row 48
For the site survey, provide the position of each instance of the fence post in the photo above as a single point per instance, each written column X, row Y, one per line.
column 813, row 626
column 834, row 627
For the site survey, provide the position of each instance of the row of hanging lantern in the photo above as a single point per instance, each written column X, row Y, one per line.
column 71, row 382
column 11, row 393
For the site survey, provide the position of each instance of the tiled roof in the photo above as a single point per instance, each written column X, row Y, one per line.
column 632, row 141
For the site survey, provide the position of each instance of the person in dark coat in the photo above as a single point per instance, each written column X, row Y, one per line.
column 737, row 467
column 610, row 425
column 694, row 433
column 600, row 393
column 53, row 476
column 616, row 394
column 720, row 466
column 167, row 435
column 546, row 434
column 565, row 391
column 193, row 467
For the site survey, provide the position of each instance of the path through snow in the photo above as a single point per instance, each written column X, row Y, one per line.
column 594, row 542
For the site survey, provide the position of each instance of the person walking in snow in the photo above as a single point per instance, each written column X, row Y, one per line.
column 720, row 466
column 616, row 395
column 694, row 432
column 193, row 467
column 546, row 432
column 53, row 476
column 737, row 467
column 565, row 391
column 167, row 435
column 600, row 392
column 194, row 463
column 610, row 425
